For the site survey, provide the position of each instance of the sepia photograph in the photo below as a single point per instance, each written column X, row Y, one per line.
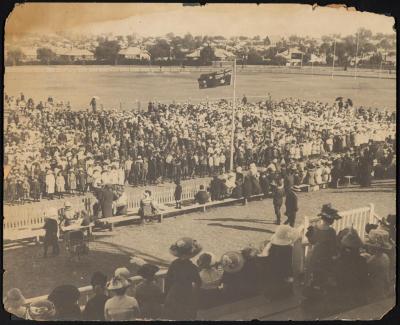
column 190, row 162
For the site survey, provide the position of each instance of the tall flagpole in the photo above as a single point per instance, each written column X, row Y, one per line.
column 355, row 63
column 334, row 53
column 233, row 114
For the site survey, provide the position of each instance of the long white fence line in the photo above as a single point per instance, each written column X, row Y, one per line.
column 357, row 217
column 22, row 217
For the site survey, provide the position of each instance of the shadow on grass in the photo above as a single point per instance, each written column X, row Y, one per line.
column 244, row 228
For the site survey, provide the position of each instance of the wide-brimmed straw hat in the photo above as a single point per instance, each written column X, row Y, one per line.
column 283, row 236
column 378, row 238
column 232, row 262
column 41, row 310
column 117, row 282
column 185, row 247
column 329, row 213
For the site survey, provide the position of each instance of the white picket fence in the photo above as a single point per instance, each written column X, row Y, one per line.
column 32, row 216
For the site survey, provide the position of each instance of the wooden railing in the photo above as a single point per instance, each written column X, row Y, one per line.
column 87, row 291
column 32, row 216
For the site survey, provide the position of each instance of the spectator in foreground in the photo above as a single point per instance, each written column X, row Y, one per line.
column 182, row 281
column 201, row 196
column 278, row 277
column 94, row 309
column 211, row 279
column 120, row 307
column 148, row 293
column 14, row 303
column 322, row 237
column 232, row 263
column 65, row 299
column 378, row 264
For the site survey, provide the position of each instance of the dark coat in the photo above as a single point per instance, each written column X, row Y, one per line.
column 201, row 197
column 291, row 202
column 178, row 192
column 106, row 198
column 180, row 302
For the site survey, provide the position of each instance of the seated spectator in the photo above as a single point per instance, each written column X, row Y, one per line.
column 14, row 303
column 148, row 294
column 94, row 309
column 65, row 299
column 147, row 208
column 42, row 310
column 120, row 307
column 211, row 279
column 378, row 264
column 201, row 196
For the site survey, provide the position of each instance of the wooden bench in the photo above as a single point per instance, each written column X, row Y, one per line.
column 170, row 211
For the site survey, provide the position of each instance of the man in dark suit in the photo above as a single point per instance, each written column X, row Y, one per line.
column 291, row 207
column 51, row 230
column 106, row 198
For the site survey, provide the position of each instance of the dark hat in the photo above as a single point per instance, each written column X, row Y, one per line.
column 329, row 213
column 185, row 247
column 64, row 295
column 98, row 278
column 148, row 271
column 350, row 238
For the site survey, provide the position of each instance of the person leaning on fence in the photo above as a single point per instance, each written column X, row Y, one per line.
column 94, row 309
column 148, row 294
column 51, row 232
column 147, row 208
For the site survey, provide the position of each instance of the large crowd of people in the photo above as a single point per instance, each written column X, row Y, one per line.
column 342, row 271
column 52, row 150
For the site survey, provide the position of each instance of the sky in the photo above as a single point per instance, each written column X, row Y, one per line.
column 213, row 19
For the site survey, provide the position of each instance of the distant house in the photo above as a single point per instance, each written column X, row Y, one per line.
column 134, row 53
column 321, row 59
column 292, row 56
column 221, row 54
column 75, row 54
column 194, row 55
column 273, row 40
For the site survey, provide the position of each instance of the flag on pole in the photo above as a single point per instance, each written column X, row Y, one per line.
column 215, row 79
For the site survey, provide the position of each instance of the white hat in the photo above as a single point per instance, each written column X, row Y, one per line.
column 283, row 236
